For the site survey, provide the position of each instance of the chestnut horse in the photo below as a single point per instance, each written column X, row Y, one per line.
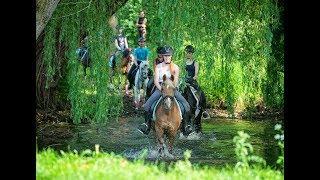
column 167, row 114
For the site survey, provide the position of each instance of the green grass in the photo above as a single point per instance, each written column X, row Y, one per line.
column 51, row 165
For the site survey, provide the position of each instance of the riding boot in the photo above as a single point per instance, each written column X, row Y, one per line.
column 145, row 127
column 186, row 125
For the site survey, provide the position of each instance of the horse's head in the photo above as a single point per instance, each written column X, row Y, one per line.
column 143, row 68
column 168, row 90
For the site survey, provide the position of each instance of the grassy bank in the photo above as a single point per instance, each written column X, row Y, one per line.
column 88, row 165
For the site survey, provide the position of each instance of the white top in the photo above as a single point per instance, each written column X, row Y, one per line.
column 163, row 71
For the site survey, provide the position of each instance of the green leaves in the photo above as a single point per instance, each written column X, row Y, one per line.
column 244, row 151
column 89, row 96
column 91, row 165
column 240, row 52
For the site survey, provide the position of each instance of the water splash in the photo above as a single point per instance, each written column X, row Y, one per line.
column 152, row 153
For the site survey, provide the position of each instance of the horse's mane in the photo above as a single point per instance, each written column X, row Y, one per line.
column 168, row 82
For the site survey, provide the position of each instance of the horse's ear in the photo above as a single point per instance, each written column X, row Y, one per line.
column 164, row 77
column 172, row 77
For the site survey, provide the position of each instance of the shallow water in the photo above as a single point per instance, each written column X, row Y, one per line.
column 214, row 147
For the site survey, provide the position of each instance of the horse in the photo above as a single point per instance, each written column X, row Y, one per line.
column 168, row 118
column 140, row 82
column 126, row 63
column 186, row 116
column 197, row 104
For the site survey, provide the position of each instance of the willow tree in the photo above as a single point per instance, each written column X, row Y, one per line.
column 239, row 46
column 234, row 43
column 58, row 67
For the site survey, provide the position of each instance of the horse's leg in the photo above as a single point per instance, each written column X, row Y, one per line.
column 159, row 133
column 145, row 85
column 182, row 127
column 136, row 91
column 127, row 87
column 84, row 70
column 171, row 136
column 202, row 104
column 136, row 97
column 197, row 122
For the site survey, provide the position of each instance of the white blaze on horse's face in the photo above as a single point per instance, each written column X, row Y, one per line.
column 144, row 69
column 167, row 103
column 168, row 93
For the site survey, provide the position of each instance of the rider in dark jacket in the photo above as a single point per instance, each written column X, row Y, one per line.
column 192, row 69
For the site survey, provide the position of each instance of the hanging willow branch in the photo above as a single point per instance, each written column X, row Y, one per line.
column 232, row 40
column 75, row 12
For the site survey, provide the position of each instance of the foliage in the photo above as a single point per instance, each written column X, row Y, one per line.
column 98, row 165
column 280, row 138
column 90, row 97
column 239, row 46
column 243, row 151
column 233, row 46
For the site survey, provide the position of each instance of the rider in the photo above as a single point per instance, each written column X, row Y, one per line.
column 83, row 53
column 141, row 24
column 158, row 60
column 140, row 54
column 192, row 69
column 168, row 68
column 121, row 43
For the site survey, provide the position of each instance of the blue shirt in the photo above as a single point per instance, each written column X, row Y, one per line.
column 141, row 54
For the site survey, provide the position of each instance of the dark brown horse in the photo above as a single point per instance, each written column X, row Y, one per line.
column 168, row 117
column 126, row 61
column 196, row 108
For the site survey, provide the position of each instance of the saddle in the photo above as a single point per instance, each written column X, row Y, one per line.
column 156, row 103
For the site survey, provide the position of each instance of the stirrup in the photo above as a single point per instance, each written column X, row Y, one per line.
column 188, row 129
column 205, row 115
column 143, row 131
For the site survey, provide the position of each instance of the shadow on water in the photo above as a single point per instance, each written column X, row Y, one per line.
column 214, row 147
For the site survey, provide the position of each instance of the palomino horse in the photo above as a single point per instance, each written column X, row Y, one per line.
column 167, row 114
column 197, row 101
column 140, row 82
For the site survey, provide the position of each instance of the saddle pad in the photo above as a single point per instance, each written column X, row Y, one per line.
column 155, row 105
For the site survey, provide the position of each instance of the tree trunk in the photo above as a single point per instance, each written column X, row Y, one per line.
column 44, row 11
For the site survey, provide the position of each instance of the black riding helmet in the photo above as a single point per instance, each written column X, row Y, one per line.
column 189, row 49
column 166, row 50
column 160, row 49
